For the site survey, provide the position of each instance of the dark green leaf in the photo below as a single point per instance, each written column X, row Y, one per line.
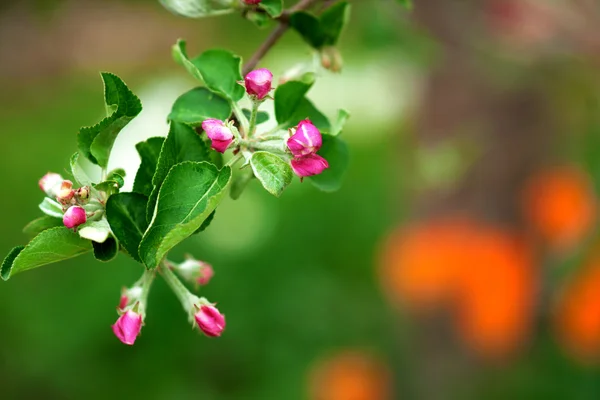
column 304, row 110
column 116, row 174
column 272, row 7
column 149, row 152
column 261, row 116
column 126, row 214
column 50, row 246
column 287, row 99
column 408, row 4
column 107, row 250
column 220, row 70
column 206, row 222
column 41, row 224
column 189, row 194
column 274, row 173
column 199, row 104
column 309, row 27
column 122, row 106
column 335, row 151
column 333, row 21
column 181, row 144
column 199, row 8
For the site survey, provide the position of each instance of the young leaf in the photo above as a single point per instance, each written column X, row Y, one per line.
column 199, row 8
column 97, row 231
column 220, row 70
column 51, row 207
column 78, row 172
column 199, row 104
column 41, row 224
column 117, row 174
column 149, row 152
column 261, row 116
column 335, row 151
column 181, row 144
column 274, row 173
column 107, row 250
column 126, row 213
column 96, row 142
column 339, row 123
column 272, row 7
column 189, row 194
column 50, row 246
column 333, row 21
column 287, row 99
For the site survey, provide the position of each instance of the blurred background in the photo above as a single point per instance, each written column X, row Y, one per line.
column 461, row 259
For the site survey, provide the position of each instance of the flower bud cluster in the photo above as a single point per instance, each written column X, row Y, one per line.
column 131, row 310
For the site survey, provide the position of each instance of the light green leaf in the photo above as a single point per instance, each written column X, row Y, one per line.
column 199, row 104
column 335, row 151
column 272, row 7
column 339, row 123
column 97, row 231
column 122, row 106
column 274, row 173
column 126, row 213
column 199, row 8
column 78, row 172
column 51, row 207
column 41, row 224
column 107, row 250
column 220, row 70
column 181, row 144
column 149, row 152
column 50, row 246
column 189, row 194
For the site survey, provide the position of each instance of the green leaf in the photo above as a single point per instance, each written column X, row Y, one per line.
column 199, row 8
column 51, row 207
column 109, row 187
column 182, row 144
column 260, row 19
column 287, row 99
column 339, row 123
column 408, row 4
column 335, row 151
column 117, row 174
column 273, row 7
column 189, row 194
column 333, row 20
column 261, row 116
column 41, row 224
column 220, row 70
column 274, row 173
column 309, row 27
column 78, row 172
column 107, row 250
column 149, row 151
column 199, row 104
column 50, row 246
column 239, row 182
column 206, row 222
column 126, row 213
column 122, row 106
column 304, row 110
column 97, row 231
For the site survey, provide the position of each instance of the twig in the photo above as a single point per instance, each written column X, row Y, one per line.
column 276, row 34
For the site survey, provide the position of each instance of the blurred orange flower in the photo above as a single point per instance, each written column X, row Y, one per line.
column 577, row 316
column 350, row 375
column 561, row 205
column 482, row 273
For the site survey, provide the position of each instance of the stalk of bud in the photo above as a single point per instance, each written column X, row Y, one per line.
column 74, row 216
column 220, row 134
column 258, row 83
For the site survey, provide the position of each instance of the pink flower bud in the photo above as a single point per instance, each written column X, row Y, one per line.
column 123, row 301
column 219, row 134
column 128, row 327
column 306, row 140
column 74, row 217
column 309, row 165
column 50, row 183
column 251, row 2
column 206, row 274
column 210, row 320
column 258, row 82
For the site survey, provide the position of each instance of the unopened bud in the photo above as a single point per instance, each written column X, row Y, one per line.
column 195, row 271
column 258, row 83
column 82, row 194
column 331, row 59
column 306, row 140
column 74, row 216
column 128, row 327
column 309, row 165
column 210, row 320
column 65, row 193
column 251, row 2
column 50, row 184
column 220, row 135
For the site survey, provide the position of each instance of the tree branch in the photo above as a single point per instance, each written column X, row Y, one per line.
column 275, row 35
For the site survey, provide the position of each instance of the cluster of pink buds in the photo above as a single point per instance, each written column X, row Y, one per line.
column 131, row 311
column 304, row 144
column 72, row 200
column 195, row 271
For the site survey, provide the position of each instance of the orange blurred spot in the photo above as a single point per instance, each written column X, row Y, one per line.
column 578, row 314
column 561, row 205
column 482, row 273
column 350, row 376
